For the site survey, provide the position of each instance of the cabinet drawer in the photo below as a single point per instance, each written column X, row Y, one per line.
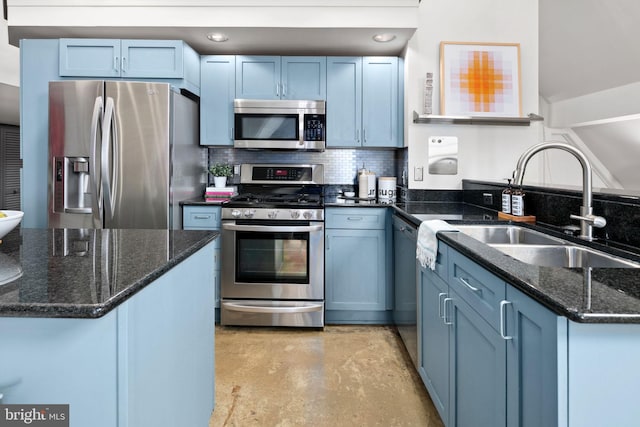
column 356, row 218
column 480, row 289
column 201, row 217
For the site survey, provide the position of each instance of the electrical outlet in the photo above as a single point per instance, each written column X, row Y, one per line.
column 418, row 173
column 487, row 198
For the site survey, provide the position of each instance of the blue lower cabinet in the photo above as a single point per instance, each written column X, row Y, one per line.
column 489, row 357
column 358, row 265
column 433, row 336
column 532, row 362
column 477, row 372
column 150, row 361
column 200, row 217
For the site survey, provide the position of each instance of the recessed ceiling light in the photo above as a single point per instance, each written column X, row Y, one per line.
column 218, row 37
column 384, row 37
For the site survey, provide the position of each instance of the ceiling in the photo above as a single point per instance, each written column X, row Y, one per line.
column 244, row 41
column 587, row 46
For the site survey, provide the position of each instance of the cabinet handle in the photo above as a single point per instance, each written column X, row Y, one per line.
column 231, row 134
column 284, row 90
column 278, row 89
column 115, row 63
column 473, row 288
column 1, row 396
column 446, row 300
column 124, row 64
column 354, row 218
column 201, row 216
column 358, row 135
column 440, row 295
column 503, row 304
column 364, row 136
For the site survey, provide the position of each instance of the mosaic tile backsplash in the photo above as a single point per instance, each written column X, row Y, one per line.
column 340, row 165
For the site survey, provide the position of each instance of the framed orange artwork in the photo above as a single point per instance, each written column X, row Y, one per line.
column 480, row 79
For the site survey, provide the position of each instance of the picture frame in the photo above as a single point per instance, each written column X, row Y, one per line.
column 480, row 79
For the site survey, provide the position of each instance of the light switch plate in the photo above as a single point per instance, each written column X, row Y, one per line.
column 443, row 155
column 418, row 173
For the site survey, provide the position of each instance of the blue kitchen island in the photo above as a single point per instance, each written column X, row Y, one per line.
column 119, row 324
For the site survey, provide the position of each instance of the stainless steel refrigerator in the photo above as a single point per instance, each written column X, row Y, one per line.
column 121, row 154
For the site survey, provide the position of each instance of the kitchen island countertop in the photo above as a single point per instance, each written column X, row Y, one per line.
column 86, row 273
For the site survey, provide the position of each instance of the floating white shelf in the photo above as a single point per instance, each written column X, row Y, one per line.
column 474, row 120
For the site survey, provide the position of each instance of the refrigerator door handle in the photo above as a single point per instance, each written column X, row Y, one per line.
column 94, row 170
column 109, row 149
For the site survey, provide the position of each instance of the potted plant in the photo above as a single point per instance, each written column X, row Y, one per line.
column 220, row 172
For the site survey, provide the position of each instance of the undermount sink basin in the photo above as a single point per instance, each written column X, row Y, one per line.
column 508, row 234
column 570, row 256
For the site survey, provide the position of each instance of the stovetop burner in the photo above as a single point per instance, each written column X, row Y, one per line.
column 290, row 200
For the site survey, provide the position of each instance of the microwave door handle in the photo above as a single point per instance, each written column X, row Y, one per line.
column 94, row 170
column 267, row 228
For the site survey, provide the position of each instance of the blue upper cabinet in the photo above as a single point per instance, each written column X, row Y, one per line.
column 304, row 77
column 380, row 102
column 217, row 85
column 344, row 99
column 258, row 77
column 275, row 77
column 163, row 59
column 152, row 59
column 363, row 102
column 89, row 58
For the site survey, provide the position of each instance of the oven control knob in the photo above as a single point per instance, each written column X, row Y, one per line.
column 236, row 213
column 248, row 213
column 295, row 214
column 272, row 214
column 308, row 215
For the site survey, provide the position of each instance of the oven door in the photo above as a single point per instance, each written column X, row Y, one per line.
column 273, row 261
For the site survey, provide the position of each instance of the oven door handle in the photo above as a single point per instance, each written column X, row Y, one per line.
column 270, row 309
column 271, row 229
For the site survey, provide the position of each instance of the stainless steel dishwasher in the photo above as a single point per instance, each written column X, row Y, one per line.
column 405, row 314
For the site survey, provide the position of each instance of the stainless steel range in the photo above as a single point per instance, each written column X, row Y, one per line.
column 273, row 248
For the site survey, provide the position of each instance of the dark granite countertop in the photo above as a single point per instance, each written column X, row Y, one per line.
column 85, row 273
column 598, row 295
column 602, row 295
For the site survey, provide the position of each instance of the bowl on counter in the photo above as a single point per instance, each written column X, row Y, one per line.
column 9, row 222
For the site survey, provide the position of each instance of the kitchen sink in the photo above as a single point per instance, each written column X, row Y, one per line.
column 508, row 234
column 570, row 256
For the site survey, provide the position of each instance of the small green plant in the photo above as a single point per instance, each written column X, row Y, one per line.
column 221, row 169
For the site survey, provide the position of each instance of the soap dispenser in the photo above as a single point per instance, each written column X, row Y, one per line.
column 517, row 202
column 506, row 198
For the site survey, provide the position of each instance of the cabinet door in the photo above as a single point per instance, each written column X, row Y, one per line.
column 258, row 77
column 355, row 273
column 344, row 98
column 218, row 89
column 380, row 102
column 433, row 365
column 304, row 77
column 532, row 362
column 152, row 59
column 89, row 58
column 477, row 369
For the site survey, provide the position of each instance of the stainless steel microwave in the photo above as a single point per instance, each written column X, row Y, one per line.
column 279, row 124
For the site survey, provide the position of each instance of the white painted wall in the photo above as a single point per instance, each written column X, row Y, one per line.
column 485, row 152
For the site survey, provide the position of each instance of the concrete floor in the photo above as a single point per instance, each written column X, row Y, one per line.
column 342, row 376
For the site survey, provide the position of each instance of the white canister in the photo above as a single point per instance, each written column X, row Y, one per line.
column 387, row 189
column 371, row 185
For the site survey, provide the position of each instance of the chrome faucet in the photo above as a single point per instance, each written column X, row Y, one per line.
column 587, row 219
